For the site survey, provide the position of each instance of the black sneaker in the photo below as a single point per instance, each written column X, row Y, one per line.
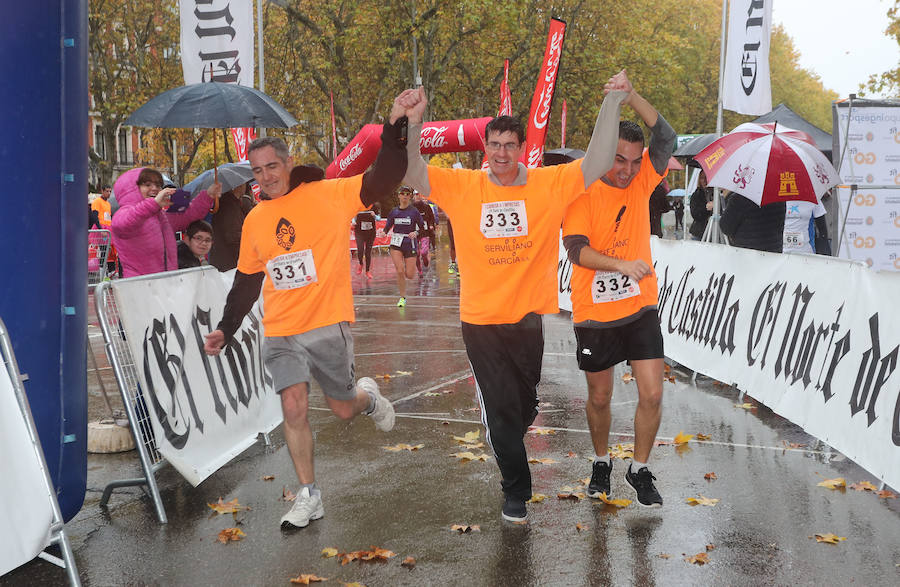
column 514, row 509
column 642, row 483
column 600, row 479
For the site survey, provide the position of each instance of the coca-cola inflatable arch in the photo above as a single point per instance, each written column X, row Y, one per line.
column 452, row 136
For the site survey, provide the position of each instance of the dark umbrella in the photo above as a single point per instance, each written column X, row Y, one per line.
column 695, row 145
column 212, row 105
column 563, row 155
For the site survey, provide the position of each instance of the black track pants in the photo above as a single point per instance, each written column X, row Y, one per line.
column 506, row 360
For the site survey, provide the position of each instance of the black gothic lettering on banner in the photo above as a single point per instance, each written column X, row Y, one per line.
column 564, row 271
column 750, row 55
column 211, row 23
column 703, row 315
column 867, row 392
column 164, row 348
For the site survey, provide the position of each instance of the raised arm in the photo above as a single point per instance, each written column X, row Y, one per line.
column 417, row 170
column 391, row 163
column 601, row 151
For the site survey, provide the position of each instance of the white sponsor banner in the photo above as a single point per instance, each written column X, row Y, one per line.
column 747, row 87
column 26, row 512
column 813, row 338
column 564, row 277
column 868, row 139
column 217, row 33
column 204, row 410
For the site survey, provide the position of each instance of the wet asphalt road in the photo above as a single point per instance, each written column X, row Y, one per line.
column 760, row 530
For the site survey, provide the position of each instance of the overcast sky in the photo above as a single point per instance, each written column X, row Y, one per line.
column 841, row 40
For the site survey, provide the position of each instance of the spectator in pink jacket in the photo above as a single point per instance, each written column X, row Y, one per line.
column 142, row 232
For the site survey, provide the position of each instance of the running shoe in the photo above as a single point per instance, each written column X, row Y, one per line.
column 452, row 267
column 642, row 483
column 514, row 509
column 600, row 479
column 401, row 302
column 306, row 507
column 368, row 275
column 383, row 414
column 359, row 269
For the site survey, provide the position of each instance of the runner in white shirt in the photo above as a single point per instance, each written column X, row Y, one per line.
column 799, row 231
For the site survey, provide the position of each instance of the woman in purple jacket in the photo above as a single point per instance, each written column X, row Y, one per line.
column 142, row 232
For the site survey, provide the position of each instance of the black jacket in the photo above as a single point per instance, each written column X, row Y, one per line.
column 753, row 227
column 698, row 210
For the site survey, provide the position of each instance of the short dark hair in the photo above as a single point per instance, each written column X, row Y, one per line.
column 503, row 124
column 198, row 226
column 281, row 148
column 630, row 132
column 149, row 174
column 106, row 186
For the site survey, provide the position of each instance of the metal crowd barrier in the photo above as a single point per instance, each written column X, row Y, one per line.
column 57, row 528
column 122, row 362
column 99, row 244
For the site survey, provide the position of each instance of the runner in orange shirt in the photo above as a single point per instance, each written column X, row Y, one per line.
column 614, row 292
column 506, row 223
column 298, row 241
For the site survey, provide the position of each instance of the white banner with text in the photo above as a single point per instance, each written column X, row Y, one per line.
column 26, row 512
column 204, row 410
column 217, row 41
column 813, row 338
column 747, row 88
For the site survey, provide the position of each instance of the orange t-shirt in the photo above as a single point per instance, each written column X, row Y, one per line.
column 104, row 211
column 617, row 223
column 311, row 222
column 504, row 277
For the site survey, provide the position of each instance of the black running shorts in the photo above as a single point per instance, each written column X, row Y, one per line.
column 602, row 348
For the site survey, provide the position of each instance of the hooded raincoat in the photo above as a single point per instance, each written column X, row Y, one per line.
column 143, row 233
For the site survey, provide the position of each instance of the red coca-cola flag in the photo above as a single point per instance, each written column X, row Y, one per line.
column 242, row 138
column 505, row 101
column 450, row 136
column 542, row 102
column 563, row 121
column 333, row 129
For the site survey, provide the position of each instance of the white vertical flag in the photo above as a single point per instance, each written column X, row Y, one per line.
column 217, row 32
column 748, row 89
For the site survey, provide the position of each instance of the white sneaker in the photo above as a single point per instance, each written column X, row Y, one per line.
column 306, row 507
column 383, row 414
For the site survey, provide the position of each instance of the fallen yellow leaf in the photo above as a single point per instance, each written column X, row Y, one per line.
column 465, row 528
column 627, row 377
column 710, row 476
column 829, row 538
column 702, row 500
column 230, row 534
column 745, row 406
column 230, row 507
column 404, row 373
column 702, row 436
column 468, row 438
column 682, row 438
column 864, row 486
column 469, row 456
column 307, row 579
column 622, row 451
column 574, row 495
column 537, row 498
column 473, row 446
column 698, row 559
column 579, row 526
column 885, row 494
column 409, row 562
column 401, row 446
column 268, row 477
column 664, row 555
column 836, row 483
column 329, row 552
column 544, row 461
column 619, row 503
column 287, row 494
column 542, row 431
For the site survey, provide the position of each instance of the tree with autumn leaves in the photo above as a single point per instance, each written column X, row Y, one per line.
column 889, row 81
column 366, row 51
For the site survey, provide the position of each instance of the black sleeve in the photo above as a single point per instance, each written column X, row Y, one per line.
column 823, row 243
column 244, row 292
column 390, row 164
column 662, row 144
column 574, row 243
column 733, row 214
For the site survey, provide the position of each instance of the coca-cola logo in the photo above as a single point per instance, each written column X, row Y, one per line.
column 535, row 154
column 355, row 151
column 542, row 113
column 433, row 137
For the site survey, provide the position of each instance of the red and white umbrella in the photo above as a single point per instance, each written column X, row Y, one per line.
column 768, row 163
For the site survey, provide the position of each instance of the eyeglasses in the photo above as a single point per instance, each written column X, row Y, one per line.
column 202, row 240
column 495, row 146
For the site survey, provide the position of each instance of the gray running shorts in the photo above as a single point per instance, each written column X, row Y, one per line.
column 324, row 353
